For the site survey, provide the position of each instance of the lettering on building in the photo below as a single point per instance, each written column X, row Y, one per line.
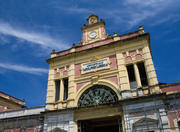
column 98, row 65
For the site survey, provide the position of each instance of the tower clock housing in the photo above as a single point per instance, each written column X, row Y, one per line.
column 94, row 31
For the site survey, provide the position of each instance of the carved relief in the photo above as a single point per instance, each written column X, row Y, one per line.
column 133, row 55
column 93, row 19
column 94, row 58
column 94, row 79
column 62, row 71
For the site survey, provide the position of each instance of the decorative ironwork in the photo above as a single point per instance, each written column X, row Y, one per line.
column 97, row 94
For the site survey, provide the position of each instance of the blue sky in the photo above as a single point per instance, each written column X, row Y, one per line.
column 30, row 29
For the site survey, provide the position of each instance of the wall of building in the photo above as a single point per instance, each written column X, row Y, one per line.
column 102, row 60
column 57, row 121
column 119, row 55
column 28, row 119
column 8, row 102
column 147, row 116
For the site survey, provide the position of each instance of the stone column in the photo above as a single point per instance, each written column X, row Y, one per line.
column 137, row 76
column 61, row 90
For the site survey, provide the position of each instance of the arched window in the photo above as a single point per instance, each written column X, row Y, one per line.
column 97, row 94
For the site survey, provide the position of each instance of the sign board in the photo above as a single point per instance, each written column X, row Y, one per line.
column 93, row 66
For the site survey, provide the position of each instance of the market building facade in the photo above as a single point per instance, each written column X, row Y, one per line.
column 107, row 83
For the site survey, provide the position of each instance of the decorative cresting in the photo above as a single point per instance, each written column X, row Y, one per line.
column 97, row 94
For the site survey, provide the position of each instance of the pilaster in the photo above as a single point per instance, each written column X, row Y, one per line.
column 71, row 82
column 124, row 86
column 51, row 87
column 150, row 70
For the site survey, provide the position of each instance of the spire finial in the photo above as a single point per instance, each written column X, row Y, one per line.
column 92, row 19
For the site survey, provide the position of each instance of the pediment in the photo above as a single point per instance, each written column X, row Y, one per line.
column 145, row 121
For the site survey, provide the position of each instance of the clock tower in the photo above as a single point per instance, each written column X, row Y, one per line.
column 94, row 31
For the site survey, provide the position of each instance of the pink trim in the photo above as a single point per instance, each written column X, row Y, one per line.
column 63, row 53
column 132, row 52
column 61, row 69
column 11, row 98
column 171, row 88
column 129, row 35
column 12, row 130
column 67, row 67
column 84, row 37
column 79, row 85
column 138, row 57
column 30, row 129
column 112, row 79
column 4, row 108
column 84, row 47
column 128, row 59
column 88, row 46
column 124, row 54
column 77, row 69
column 65, row 73
column 173, row 115
column 140, row 50
column 103, row 33
column 57, row 74
column 113, row 61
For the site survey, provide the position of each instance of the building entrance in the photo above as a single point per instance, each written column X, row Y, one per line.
column 112, row 124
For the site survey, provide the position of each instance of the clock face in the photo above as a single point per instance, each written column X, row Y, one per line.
column 92, row 35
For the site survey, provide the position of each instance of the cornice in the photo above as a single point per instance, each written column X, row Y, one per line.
column 111, row 43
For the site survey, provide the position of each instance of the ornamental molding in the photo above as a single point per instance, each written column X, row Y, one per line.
column 94, row 79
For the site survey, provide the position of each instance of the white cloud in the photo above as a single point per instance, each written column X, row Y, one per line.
column 134, row 12
column 130, row 13
column 77, row 10
column 168, row 18
column 3, row 40
column 41, row 39
column 25, row 69
column 146, row 2
column 70, row 8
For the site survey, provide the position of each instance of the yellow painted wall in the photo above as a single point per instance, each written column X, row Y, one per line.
column 83, row 57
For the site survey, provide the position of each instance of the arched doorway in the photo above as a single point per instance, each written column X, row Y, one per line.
column 97, row 94
column 106, row 124
column 94, row 96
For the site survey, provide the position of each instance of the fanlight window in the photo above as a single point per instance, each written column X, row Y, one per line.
column 97, row 94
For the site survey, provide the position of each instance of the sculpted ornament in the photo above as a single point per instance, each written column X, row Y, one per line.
column 92, row 20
